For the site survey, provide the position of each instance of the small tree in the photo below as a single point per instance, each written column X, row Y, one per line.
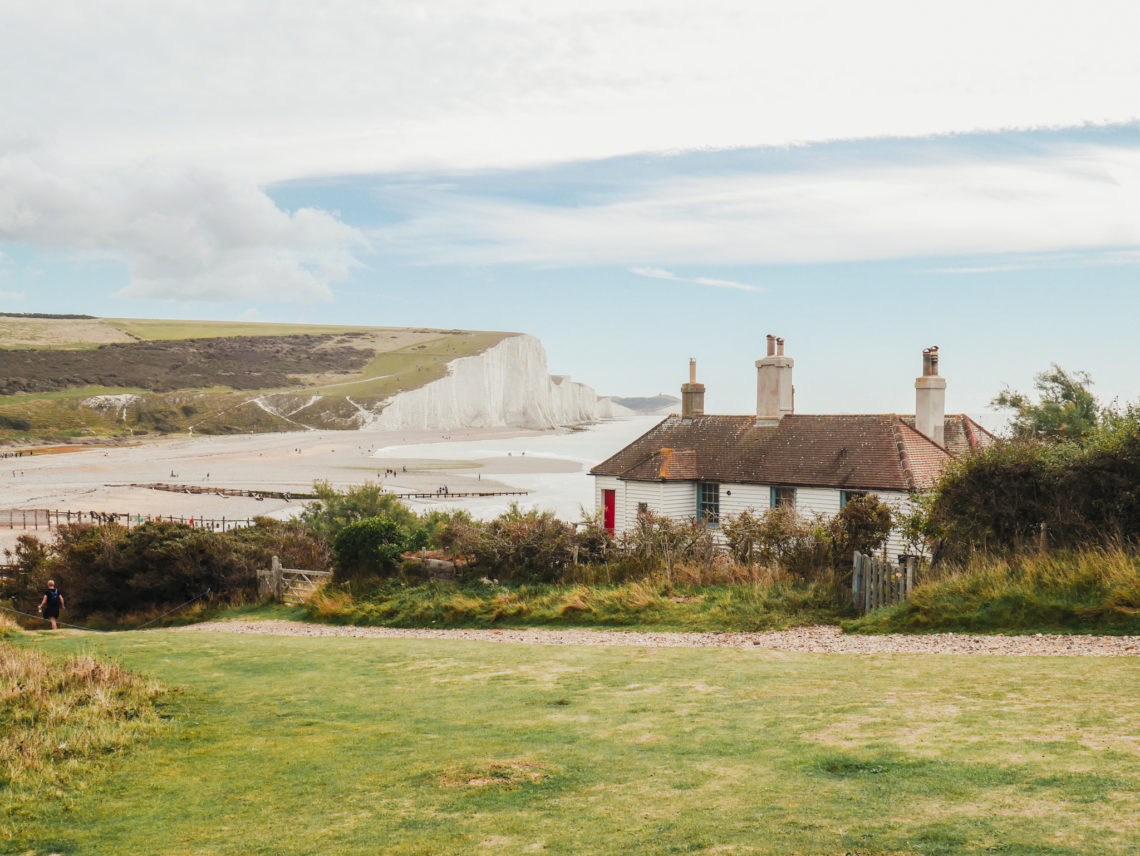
column 334, row 509
column 1067, row 409
column 862, row 526
column 371, row 546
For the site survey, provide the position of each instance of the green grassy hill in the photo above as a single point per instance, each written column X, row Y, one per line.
column 63, row 379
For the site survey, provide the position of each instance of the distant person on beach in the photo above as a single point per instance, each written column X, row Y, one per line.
column 51, row 604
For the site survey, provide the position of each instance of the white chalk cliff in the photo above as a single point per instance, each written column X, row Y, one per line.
column 506, row 385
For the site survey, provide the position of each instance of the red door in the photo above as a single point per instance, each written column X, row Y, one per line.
column 608, row 504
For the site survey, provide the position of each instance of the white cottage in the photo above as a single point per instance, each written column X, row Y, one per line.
column 705, row 467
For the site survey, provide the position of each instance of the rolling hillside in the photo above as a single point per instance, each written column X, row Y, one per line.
column 64, row 378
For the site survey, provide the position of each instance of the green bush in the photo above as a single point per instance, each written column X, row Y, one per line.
column 24, row 586
column 110, row 571
column 334, row 509
column 1063, row 494
column 372, row 546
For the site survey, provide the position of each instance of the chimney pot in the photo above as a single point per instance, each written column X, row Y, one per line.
column 774, row 392
column 692, row 394
column 930, row 399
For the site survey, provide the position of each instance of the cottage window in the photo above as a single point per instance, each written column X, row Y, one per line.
column 642, row 509
column 708, row 504
column 783, row 497
column 845, row 496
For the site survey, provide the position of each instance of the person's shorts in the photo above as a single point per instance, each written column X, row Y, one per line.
column 51, row 613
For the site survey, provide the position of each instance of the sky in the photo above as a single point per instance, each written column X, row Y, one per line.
column 635, row 183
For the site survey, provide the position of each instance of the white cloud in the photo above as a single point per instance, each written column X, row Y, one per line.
column 1073, row 199
column 658, row 273
column 183, row 234
column 16, row 296
column 285, row 90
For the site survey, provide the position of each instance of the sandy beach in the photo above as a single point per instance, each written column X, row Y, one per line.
column 100, row 478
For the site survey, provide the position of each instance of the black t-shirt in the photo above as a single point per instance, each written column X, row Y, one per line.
column 52, row 598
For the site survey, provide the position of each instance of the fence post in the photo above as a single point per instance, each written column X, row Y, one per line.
column 275, row 569
column 868, row 579
column 911, row 561
column 855, row 568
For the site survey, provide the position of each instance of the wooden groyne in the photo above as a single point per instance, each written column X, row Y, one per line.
column 221, row 491
column 455, row 494
column 290, row 495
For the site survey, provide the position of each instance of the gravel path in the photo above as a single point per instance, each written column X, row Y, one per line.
column 818, row 639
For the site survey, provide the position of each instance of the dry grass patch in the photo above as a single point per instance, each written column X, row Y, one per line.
column 507, row 775
column 58, row 332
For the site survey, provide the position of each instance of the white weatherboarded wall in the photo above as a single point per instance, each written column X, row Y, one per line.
column 678, row 501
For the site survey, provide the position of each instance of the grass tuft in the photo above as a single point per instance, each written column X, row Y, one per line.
column 57, row 717
column 641, row 605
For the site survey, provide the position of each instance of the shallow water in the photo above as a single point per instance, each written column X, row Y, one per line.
column 564, row 493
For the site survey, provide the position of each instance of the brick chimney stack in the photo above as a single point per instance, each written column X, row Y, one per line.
column 775, row 395
column 692, row 394
column 930, row 399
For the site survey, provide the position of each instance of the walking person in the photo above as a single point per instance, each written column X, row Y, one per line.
column 51, row 604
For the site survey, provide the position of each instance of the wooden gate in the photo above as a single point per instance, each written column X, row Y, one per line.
column 876, row 583
column 289, row 585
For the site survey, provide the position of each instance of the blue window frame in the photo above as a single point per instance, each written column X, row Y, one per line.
column 708, row 504
column 783, row 497
column 845, row 496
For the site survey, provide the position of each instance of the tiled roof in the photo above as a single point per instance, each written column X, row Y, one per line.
column 961, row 434
column 847, row 451
column 666, row 465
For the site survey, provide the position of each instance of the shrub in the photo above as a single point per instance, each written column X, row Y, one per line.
column 372, row 546
column 516, row 545
column 1062, row 494
column 862, row 525
column 668, row 543
column 111, row 571
column 290, row 540
column 436, row 523
column 29, row 573
column 334, row 509
column 594, row 542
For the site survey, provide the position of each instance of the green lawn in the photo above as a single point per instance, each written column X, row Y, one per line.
column 278, row 745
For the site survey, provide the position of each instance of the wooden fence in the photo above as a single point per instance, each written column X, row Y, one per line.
column 876, row 583
column 289, row 585
column 221, row 491
column 44, row 518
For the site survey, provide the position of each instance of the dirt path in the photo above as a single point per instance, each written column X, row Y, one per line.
column 818, row 639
